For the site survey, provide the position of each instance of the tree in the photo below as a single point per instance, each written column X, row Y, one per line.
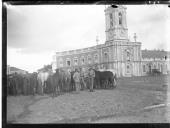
column 46, row 68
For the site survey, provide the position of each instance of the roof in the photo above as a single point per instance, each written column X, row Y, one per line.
column 16, row 69
column 155, row 54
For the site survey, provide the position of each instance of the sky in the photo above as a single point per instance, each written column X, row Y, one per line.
column 36, row 32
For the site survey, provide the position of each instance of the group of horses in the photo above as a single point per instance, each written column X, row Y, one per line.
column 56, row 82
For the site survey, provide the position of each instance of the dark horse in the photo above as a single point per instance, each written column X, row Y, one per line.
column 104, row 79
column 55, row 82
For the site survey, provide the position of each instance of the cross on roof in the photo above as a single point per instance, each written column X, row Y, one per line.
column 135, row 37
column 97, row 40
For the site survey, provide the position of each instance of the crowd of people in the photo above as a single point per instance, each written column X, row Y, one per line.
column 83, row 79
column 76, row 80
column 22, row 84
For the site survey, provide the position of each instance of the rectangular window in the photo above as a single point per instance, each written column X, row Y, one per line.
column 68, row 63
column 144, row 68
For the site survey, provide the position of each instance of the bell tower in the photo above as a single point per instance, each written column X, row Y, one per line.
column 116, row 26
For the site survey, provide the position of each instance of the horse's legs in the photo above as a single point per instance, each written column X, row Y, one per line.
column 42, row 89
column 112, row 83
column 59, row 88
column 115, row 82
column 105, row 84
column 53, row 92
column 102, row 84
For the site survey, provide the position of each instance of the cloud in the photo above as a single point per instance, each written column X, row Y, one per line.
column 39, row 29
column 43, row 28
column 28, row 62
column 149, row 22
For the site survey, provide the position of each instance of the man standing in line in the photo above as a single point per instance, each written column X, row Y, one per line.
column 83, row 84
column 76, row 78
column 91, row 77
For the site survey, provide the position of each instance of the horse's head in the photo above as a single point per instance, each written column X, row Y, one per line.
column 57, row 70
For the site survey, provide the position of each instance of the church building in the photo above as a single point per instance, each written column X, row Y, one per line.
column 117, row 53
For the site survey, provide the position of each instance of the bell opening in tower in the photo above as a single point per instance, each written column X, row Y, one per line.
column 120, row 18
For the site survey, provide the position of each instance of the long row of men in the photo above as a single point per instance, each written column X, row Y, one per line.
column 60, row 81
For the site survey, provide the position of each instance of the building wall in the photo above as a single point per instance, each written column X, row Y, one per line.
column 117, row 53
column 110, row 56
column 155, row 63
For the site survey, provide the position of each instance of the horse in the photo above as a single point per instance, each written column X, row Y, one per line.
column 106, row 76
column 114, row 76
column 54, row 83
column 64, row 79
column 42, row 80
column 33, row 83
column 26, row 84
column 67, row 80
column 72, row 84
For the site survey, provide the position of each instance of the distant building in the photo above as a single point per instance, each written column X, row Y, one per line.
column 155, row 59
column 12, row 70
column 118, row 52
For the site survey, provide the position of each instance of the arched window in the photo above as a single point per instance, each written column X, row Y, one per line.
column 120, row 18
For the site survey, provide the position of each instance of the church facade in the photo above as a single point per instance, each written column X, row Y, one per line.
column 117, row 53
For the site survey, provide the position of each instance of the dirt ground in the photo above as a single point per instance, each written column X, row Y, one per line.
column 124, row 104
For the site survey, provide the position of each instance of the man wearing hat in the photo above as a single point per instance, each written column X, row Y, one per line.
column 76, row 78
column 82, row 81
column 91, row 78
